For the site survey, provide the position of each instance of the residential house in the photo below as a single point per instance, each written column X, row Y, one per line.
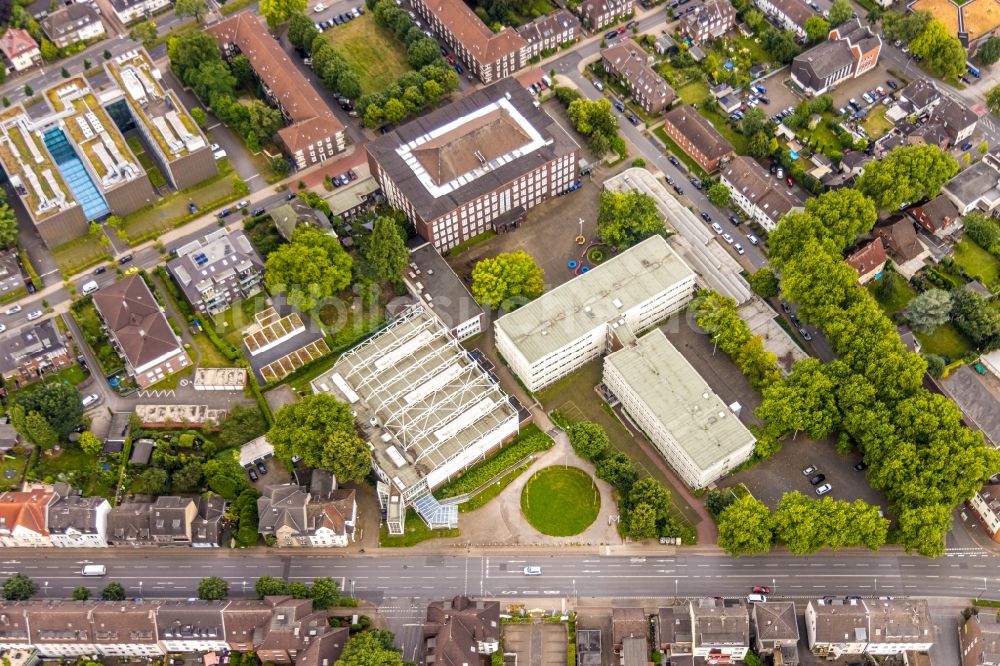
column 977, row 187
column 24, row 517
column 128, row 524
column 985, row 505
column 720, row 629
column 80, row 22
column 757, row 193
column 707, row 22
column 60, row 629
column 170, row 520
column 295, row 213
column 139, row 331
column 628, row 623
column 979, row 640
column 939, row 216
column 489, row 55
column 920, row 97
column 957, row 120
column 851, row 50
column 836, row 627
column 32, row 351
column 597, row 14
column 630, row 65
column 186, row 626
column 288, row 514
column 218, row 270
column 787, row 14
column 853, row 162
column 696, row 137
column 295, row 633
column 11, row 277
column 898, row 626
column 776, row 630
column 461, row 631
column 206, row 528
column 131, row 11
column 19, row 49
column 868, row 259
column 673, row 632
column 550, row 31
column 588, row 647
column 907, row 249
column 75, row 521
column 247, row 622
column 124, row 629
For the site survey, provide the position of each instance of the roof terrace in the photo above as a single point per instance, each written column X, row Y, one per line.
column 31, row 170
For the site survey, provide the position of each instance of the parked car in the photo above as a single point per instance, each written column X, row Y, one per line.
column 124, row 260
column 32, row 316
column 3, row 328
column 739, row 248
column 261, row 467
column 817, row 479
column 259, row 210
column 192, row 208
column 696, row 183
column 679, row 190
column 809, row 470
column 790, row 182
column 861, row 466
column 717, row 227
column 785, row 307
column 892, row 84
column 673, row 160
column 243, row 204
column 824, row 489
column 90, row 400
column 734, row 220
column 705, row 216
column 727, row 238
column 14, row 309
column 618, row 105
column 611, row 35
column 753, row 239
column 967, row 145
column 100, row 269
column 225, row 212
column 762, row 589
column 319, row 8
column 253, row 474
column 779, row 172
column 805, row 334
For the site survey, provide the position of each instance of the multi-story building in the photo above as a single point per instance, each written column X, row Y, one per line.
column 75, row 521
column 696, row 137
column 314, row 134
column 879, row 627
column 426, row 409
column 186, row 626
column 985, row 505
column 980, row 640
column 461, row 631
column 79, row 22
column 167, row 521
column 688, row 423
column 787, row 14
column 474, row 165
column 720, row 630
column 630, row 65
column 939, row 216
column 169, row 134
column 758, row 194
column 60, row 629
column 33, row 351
column 218, row 270
column 868, row 259
column 776, row 630
column 710, row 21
column 434, row 284
column 24, row 517
column 548, row 32
column 139, row 331
column 597, row 14
column 851, row 50
column 594, row 313
column 131, row 11
column 290, row 515
column 20, row 51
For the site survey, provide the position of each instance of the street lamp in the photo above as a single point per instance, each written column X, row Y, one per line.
column 675, row 591
column 244, row 586
column 45, row 588
column 140, row 589
column 774, row 586
column 574, row 587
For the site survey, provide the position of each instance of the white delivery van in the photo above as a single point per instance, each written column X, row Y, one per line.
column 756, row 599
column 89, row 287
column 94, row 570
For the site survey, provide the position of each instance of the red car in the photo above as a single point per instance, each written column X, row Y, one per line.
column 762, row 589
column 790, row 181
column 451, row 59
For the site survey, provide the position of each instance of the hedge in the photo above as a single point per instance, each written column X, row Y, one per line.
column 530, row 440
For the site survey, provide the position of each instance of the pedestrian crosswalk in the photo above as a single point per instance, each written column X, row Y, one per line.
column 966, row 552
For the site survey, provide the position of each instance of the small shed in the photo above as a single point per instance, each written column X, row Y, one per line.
column 256, row 449
column 142, row 451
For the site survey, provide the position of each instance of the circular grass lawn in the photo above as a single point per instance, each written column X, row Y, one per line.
column 560, row 501
column 598, row 254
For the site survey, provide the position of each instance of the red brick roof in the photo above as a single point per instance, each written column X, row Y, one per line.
column 25, row 509
column 469, row 29
column 312, row 119
column 868, row 257
column 16, row 42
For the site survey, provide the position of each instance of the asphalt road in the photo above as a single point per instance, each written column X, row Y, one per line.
column 386, row 577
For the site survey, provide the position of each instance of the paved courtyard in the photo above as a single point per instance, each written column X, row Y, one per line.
column 535, row 644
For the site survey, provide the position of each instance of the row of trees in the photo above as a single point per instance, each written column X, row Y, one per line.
column 594, row 120
column 717, row 316
column 507, row 280
column 928, row 38
column 802, row 524
column 324, row 592
column 627, row 218
column 917, row 449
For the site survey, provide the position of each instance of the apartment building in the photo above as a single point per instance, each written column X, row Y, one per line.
column 761, row 196
column 594, row 313
column 720, row 630
column 707, row 22
column 627, row 62
column 489, row 55
column 985, row 505
column 314, row 133
column 696, row 137
column 293, row 517
column 33, row 351
column 597, row 14
column 688, row 423
column 218, row 270
column 168, row 132
column 80, row 22
column 474, row 165
column 787, row 14
column 776, row 630
column 434, row 284
column 24, row 517
column 868, row 260
column 979, row 640
column 851, row 50
column 458, row 628
column 879, row 627
column 75, row 521
column 133, row 11
column 19, row 49
column 550, row 31
column 167, row 521
column 139, row 331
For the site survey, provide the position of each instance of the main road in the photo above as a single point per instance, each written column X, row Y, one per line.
column 388, row 576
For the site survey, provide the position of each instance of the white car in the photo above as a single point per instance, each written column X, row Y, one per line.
column 727, row 238
column 532, row 571
column 824, row 489
column 318, row 8
column 753, row 239
column 243, row 204
column 32, row 316
column 2, row 328
column 90, row 400
column 739, row 248
column 717, row 227
column 14, row 309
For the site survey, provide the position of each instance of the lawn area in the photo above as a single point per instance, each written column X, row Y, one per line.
column 945, row 341
column 78, row 254
column 416, row 531
column 73, row 375
column 153, row 171
column 560, row 501
column 977, row 262
column 535, row 9
column 574, row 396
column 74, row 466
column 899, row 297
column 694, row 92
column 372, row 51
column 90, row 323
column 822, row 136
column 11, row 470
column 876, row 124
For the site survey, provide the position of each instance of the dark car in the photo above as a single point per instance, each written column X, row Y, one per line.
column 773, row 168
column 818, row 479
column 192, row 208
column 618, row 105
column 444, row 51
column 124, row 260
column 673, row 160
column 351, row 175
column 860, row 467
column 633, row 119
column 794, row 318
column 289, row 196
column 80, row 428
column 225, row 212
column 785, row 307
column 892, row 84
column 261, row 468
column 734, row 220
column 611, row 35
column 253, row 475
column 679, row 190
column 258, row 211
column 696, row 183
column 705, row 216
column 100, row 269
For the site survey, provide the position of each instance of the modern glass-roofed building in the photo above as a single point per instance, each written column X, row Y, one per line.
column 427, row 409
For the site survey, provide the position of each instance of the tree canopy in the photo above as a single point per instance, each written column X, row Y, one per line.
column 370, row 648
column 213, row 588
column 745, row 527
column 508, row 280
column 320, row 430
column 989, row 52
column 840, row 11
column 386, row 251
column 113, row 592
column 943, row 54
column 589, row 439
column 277, row 12
column 626, row 218
column 311, row 268
column 906, row 175
column 817, row 28
column 59, row 404
column 8, row 225
column 196, row 8
column 929, row 310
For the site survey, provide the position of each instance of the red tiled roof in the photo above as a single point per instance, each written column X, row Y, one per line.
column 25, row 509
column 312, row 119
column 470, row 30
column 868, row 257
column 16, row 42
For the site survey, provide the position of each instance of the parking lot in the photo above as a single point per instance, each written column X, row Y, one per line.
column 538, row 643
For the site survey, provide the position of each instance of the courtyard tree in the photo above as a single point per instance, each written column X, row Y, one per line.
column 840, row 11
column 38, row 431
column 929, row 310
column 817, row 28
column 325, row 593
column 320, row 430
column 760, row 145
column 589, row 439
column 905, row 27
column 311, row 268
column 718, row 194
column 780, row 44
column 745, row 527
column 242, row 423
column 422, row 52
column 641, row 522
column 277, row 12
column 19, row 588
column 58, row 403
column 368, row 648
column 113, row 592
column 844, row 215
column 8, row 225
column 907, row 174
column 993, row 99
column 213, row 588
column 507, row 280
column 618, row 470
column 798, row 523
column 155, row 481
column 626, row 218
column 989, row 52
column 943, row 54
column 81, row 593
column 386, row 251
column 648, row 492
column 90, row 444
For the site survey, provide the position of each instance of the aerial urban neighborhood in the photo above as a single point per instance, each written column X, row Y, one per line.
column 500, row 332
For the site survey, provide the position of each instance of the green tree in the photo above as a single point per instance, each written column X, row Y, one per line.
column 507, row 280
column 989, row 52
column 367, row 648
column 320, row 430
column 58, row 403
column 349, row 84
column 780, row 44
column 625, row 219
column 993, row 99
column 798, row 523
column 242, row 423
column 81, row 593
column 589, row 439
column 188, row 478
column 325, row 593
column 642, row 522
column 717, row 500
column 935, row 364
column 943, row 54
column 975, row 318
column 297, row 590
column 929, row 310
column 393, row 111
column 277, row 12
column 764, row 282
column 155, row 481
column 422, row 52
column 213, row 588
column 28, row 90
column 38, row 431
column 817, row 28
column 649, row 493
column 143, row 32
column 8, row 226
column 718, row 194
column 805, row 400
column 196, row 8
column 268, row 586
column 113, row 592
column 745, row 527
column 760, row 145
column 906, row 27
column 924, row 528
column 19, row 588
column 840, row 11
column 311, row 268
column 90, row 444
column 618, row 470
column 386, row 251
column 432, row 91
column 190, row 51
column 907, row 174
column 302, row 32
column 225, row 475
